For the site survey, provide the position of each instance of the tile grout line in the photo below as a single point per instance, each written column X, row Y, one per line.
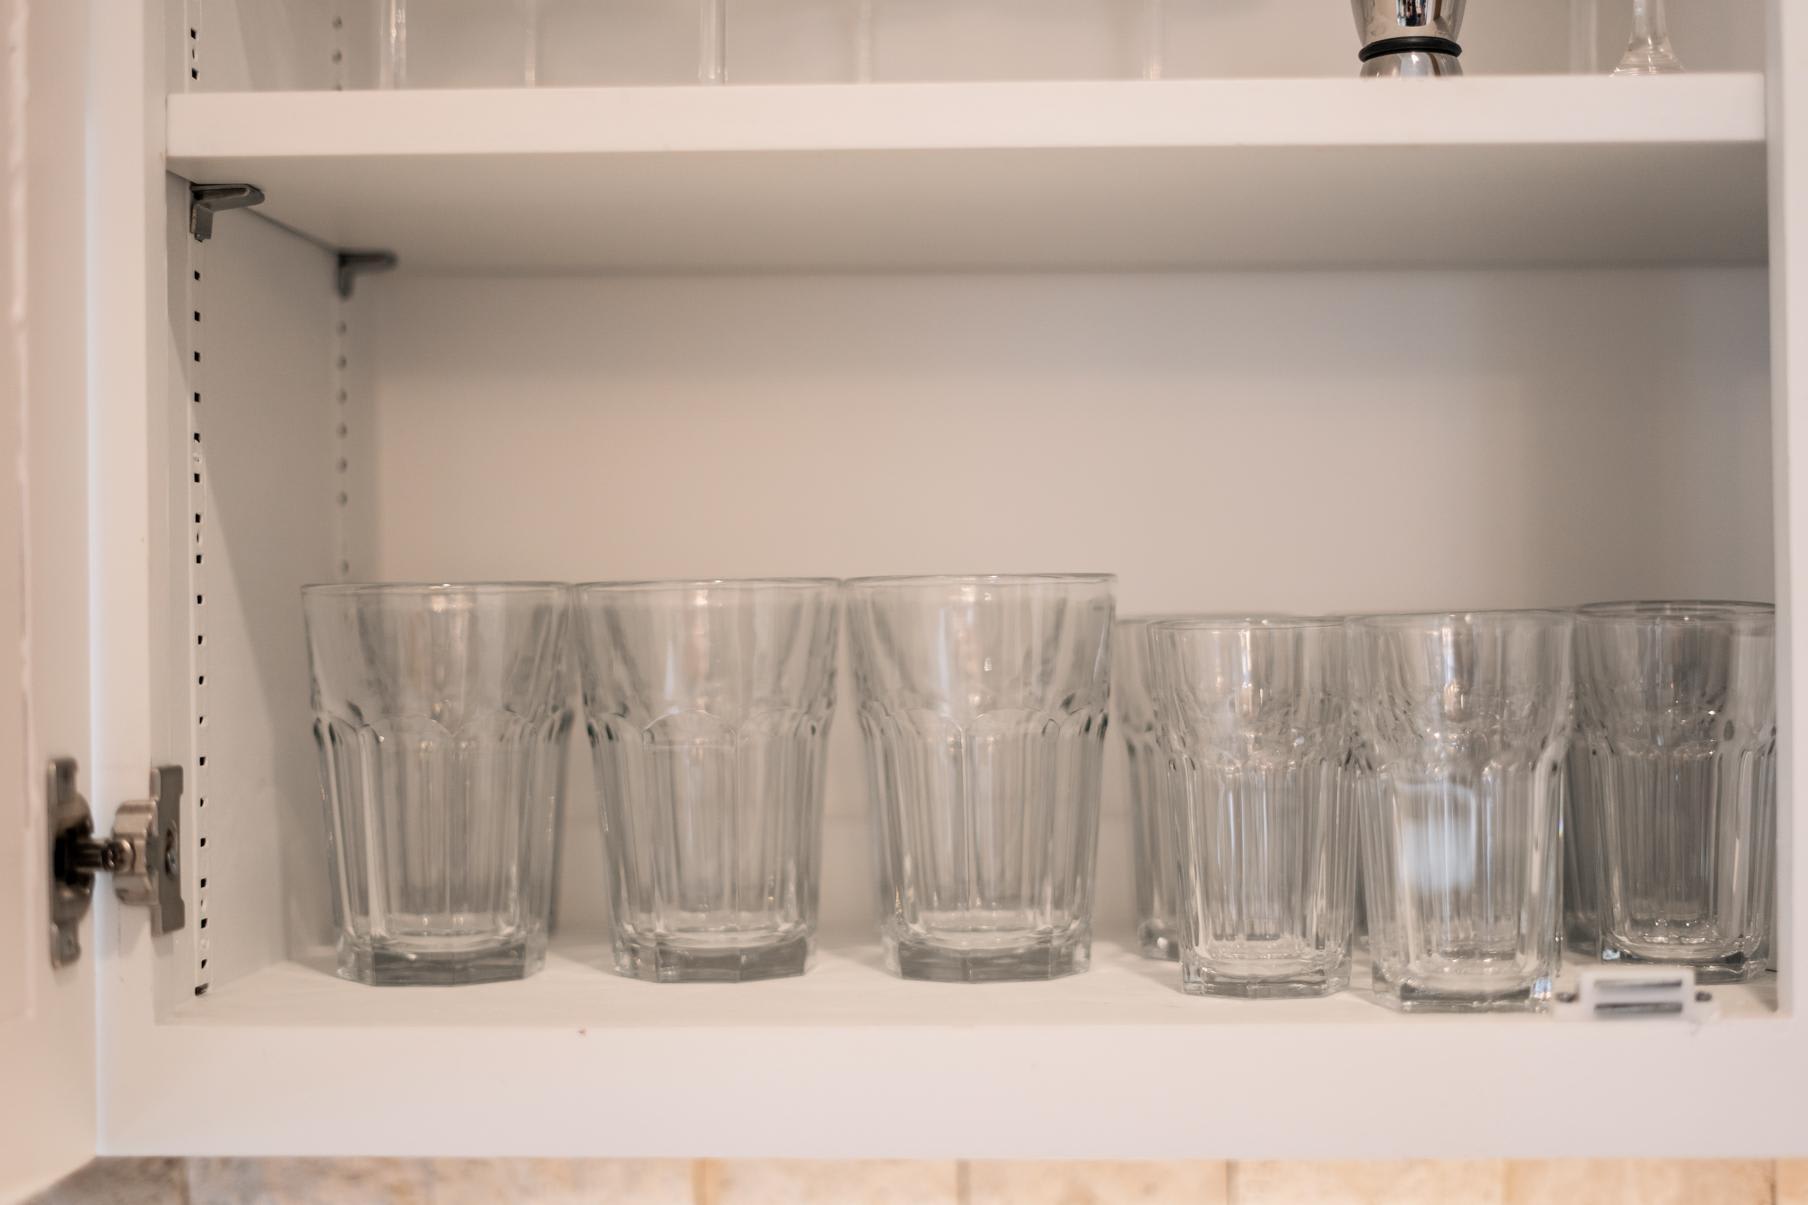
column 703, row 1182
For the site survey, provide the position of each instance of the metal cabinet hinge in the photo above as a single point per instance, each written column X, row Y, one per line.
column 143, row 855
column 205, row 200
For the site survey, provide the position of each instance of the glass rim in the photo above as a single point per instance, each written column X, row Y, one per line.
column 1675, row 610
column 1393, row 621
column 426, row 589
column 982, row 579
column 1259, row 622
column 653, row 585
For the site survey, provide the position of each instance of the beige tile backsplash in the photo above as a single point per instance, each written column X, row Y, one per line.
column 799, row 1182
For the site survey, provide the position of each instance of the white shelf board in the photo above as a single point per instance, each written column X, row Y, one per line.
column 847, row 1061
column 1128, row 175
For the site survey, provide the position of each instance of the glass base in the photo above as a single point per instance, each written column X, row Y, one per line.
column 668, row 962
column 1047, row 958
column 1198, row 981
column 1413, row 998
column 1157, row 939
column 386, row 966
column 1728, row 968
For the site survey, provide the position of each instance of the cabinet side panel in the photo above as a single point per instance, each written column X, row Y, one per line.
column 253, row 327
column 254, row 45
column 1788, row 123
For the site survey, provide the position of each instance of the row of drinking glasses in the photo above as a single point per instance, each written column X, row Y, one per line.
column 562, row 43
column 566, row 43
column 1265, row 750
column 441, row 717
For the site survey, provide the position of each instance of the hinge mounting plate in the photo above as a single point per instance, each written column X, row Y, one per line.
column 143, row 855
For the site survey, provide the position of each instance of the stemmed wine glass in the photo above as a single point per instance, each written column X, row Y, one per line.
column 1648, row 51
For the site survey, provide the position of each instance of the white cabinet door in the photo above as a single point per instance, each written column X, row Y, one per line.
column 47, row 1054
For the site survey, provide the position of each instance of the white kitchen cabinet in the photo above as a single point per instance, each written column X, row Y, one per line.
column 1310, row 344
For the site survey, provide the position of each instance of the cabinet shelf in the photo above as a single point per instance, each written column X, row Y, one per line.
column 1057, row 176
column 847, row 1061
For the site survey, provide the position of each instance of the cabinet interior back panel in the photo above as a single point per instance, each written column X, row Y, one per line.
column 1315, row 442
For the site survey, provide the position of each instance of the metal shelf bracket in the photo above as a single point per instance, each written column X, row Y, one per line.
column 353, row 264
column 205, row 200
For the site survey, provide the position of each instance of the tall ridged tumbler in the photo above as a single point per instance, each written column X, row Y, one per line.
column 1464, row 722
column 983, row 703
column 708, row 705
column 1252, row 717
column 1678, row 719
column 441, row 715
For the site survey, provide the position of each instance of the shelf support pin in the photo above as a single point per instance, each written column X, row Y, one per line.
column 205, row 200
column 353, row 264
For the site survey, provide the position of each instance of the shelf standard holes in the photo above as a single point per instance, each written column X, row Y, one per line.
column 201, row 988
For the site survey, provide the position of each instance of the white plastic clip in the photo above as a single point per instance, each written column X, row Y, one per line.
column 1636, row 993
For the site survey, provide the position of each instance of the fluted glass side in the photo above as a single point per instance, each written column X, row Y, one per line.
column 983, row 704
column 441, row 714
column 1677, row 708
column 1154, row 866
column 1251, row 713
column 1582, row 916
column 1464, row 720
column 708, row 707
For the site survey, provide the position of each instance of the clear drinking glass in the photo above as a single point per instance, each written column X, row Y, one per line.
column 1678, row 718
column 441, row 715
column 708, row 705
column 1648, row 50
column 1252, row 715
column 1154, row 865
column 1464, row 720
column 586, row 43
column 459, row 43
column 982, row 700
column 1009, row 39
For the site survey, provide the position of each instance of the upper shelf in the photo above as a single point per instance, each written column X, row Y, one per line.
column 1133, row 175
